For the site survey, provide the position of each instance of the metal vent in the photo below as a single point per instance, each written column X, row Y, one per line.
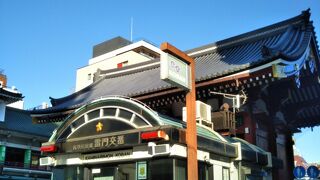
column 160, row 149
column 46, row 161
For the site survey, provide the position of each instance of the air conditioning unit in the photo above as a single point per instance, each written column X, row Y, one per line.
column 158, row 150
column 46, row 161
column 203, row 114
column 203, row 111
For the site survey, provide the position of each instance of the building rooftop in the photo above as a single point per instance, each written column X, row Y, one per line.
column 287, row 40
column 20, row 121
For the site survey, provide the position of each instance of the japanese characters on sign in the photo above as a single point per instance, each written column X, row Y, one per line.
column 98, row 143
column 101, row 142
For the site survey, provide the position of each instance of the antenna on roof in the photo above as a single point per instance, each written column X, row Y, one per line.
column 131, row 29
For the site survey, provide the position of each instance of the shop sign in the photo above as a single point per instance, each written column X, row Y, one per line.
column 142, row 170
column 175, row 71
column 101, row 143
column 108, row 156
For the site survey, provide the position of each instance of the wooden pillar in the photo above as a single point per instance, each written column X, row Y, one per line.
column 272, row 141
column 192, row 129
column 290, row 155
column 191, row 132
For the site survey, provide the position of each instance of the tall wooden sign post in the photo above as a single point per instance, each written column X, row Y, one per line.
column 179, row 69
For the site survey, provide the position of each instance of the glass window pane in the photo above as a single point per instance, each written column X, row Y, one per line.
column 94, row 114
column 225, row 173
column 139, row 122
column 202, row 171
column 125, row 114
column 180, row 169
column 109, row 112
column 78, row 122
column 161, row 169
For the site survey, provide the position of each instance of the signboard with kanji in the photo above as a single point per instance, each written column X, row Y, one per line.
column 101, row 143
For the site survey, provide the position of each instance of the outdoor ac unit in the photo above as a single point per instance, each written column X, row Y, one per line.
column 157, row 150
column 203, row 112
column 46, row 161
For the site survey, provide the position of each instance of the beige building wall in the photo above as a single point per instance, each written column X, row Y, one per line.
column 85, row 74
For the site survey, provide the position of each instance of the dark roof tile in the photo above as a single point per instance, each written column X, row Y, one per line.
column 20, row 121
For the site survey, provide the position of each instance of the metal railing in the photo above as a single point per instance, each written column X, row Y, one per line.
column 224, row 121
column 21, row 165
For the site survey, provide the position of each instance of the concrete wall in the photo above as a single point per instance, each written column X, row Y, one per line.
column 83, row 79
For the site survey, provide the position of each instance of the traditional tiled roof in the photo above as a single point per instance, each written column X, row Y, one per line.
column 18, row 120
column 9, row 96
column 287, row 40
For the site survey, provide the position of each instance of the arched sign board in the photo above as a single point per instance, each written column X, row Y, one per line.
column 299, row 172
column 313, row 172
column 107, row 123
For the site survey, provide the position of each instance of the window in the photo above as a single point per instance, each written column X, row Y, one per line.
column 180, row 169
column 225, row 173
column 35, row 156
column 89, row 76
column 203, row 173
column 161, row 169
column 14, row 157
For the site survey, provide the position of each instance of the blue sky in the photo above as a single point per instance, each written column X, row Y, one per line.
column 43, row 42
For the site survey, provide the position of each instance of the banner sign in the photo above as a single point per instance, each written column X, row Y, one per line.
column 108, row 156
column 142, row 170
column 101, row 143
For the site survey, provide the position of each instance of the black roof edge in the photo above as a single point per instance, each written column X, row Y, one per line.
column 304, row 16
column 12, row 94
column 56, row 101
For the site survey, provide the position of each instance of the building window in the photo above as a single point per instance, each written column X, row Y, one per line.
column 180, row 169
column 203, row 171
column 89, row 76
column 161, row 169
column 14, row 157
column 225, row 173
column 35, row 156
